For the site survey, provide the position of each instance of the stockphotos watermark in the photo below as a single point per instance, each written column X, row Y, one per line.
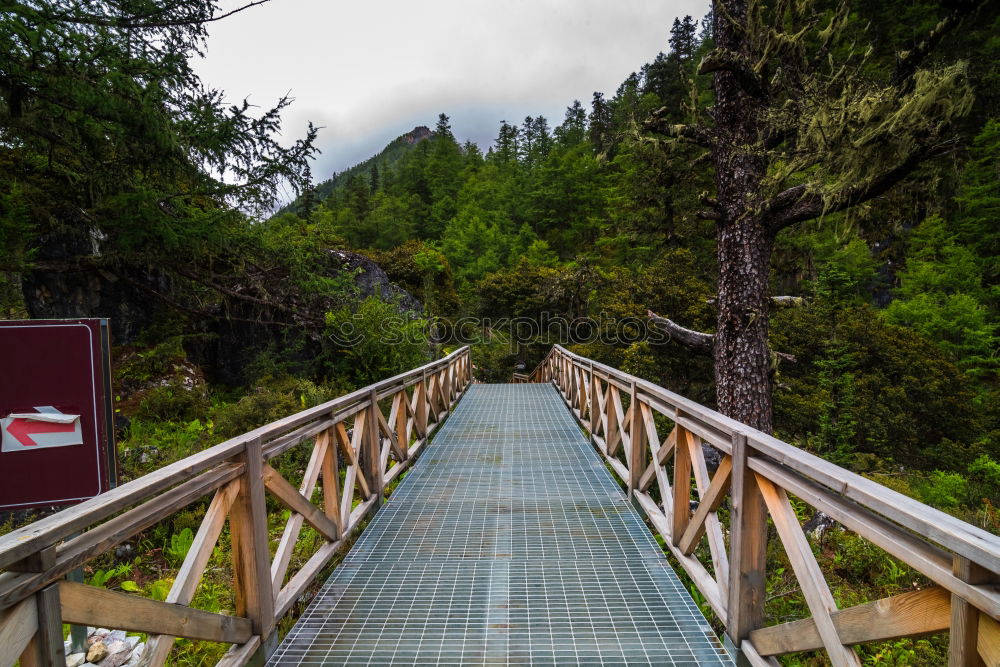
column 545, row 329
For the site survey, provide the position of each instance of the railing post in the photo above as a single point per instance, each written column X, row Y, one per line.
column 46, row 648
column 251, row 554
column 637, row 442
column 372, row 459
column 964, row 634
column 595, row 416
column 748, row 547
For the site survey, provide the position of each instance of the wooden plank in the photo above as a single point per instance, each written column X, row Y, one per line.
column 749, row 652
column 240, row 654
column 371, row 455
column 709, row 502
column 989, row 640
column 701, row 577
column 716, row 542
column 748, row 548
column 612, row 425
column 17, row 627
column 681, row 504
column 395, row 442
column 419, row 407
column 963, row 650
column 331, row 484
column 14, row 587
column 919, row 554
column 814, row 588
column 402, row 424
column 290, row 534
column 40, row 561
column 655, row 468
column 189, row 576
column 904, row 615
column 89, row 605
column 281, row 445
column 48, row 641
column 637, row 443
column 251, row 555
column 290, row 497
column 350, row 447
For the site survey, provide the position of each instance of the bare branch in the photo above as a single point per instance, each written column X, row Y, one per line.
column 141, row 22
column 696, row 341
column 723, row 60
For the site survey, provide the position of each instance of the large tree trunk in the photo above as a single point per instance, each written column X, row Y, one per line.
column 742, row 361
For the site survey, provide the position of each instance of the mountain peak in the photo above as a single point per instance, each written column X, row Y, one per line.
column 417, row 134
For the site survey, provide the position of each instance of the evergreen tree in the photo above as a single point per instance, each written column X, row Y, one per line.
column 600, row 123
column 682, row 39
column 573, row 129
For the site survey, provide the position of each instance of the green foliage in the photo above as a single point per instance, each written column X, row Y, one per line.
column 422, row 271
column 946, row 490
column 270, row 400
column 178, row 546
column 375, row 341
column 941, row 295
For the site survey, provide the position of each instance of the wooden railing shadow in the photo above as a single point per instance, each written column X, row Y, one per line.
column 35, row 598
column 664, row 469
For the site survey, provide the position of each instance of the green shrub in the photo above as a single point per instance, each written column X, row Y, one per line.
column 945, row 490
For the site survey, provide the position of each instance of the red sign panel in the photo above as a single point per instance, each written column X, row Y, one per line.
column 56, row 441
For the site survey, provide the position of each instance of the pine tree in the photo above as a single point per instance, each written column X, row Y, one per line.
column 600, row 123
column 682, row 38
column 574, row 126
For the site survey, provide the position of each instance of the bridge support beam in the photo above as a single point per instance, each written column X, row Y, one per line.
column 748, row 548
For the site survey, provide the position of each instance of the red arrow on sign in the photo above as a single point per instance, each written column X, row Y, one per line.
column 23, row 429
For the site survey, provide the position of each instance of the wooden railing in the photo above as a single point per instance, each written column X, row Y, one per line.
column 662, row 463
column 35, row 598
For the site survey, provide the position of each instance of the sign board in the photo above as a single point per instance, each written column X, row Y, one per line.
column 56, row 435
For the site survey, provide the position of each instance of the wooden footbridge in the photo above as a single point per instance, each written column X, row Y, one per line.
column 525, row 534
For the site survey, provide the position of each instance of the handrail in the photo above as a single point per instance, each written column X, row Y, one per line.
column 375, row 449
column 756, row 474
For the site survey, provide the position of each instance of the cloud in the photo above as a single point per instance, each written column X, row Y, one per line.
column 369, row 71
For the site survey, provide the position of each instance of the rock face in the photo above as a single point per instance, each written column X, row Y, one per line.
column 234, row 343
column 372, row 280
column 68, row 283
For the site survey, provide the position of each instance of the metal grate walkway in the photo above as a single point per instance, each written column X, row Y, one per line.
column 508, row 543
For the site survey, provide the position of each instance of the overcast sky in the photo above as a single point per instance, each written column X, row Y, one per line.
column 369, row 71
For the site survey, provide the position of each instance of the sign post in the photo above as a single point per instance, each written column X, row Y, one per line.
column 56, row 418
column 56, row 429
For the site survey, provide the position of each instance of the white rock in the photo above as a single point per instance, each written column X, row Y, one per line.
column 97, row 652
column 132, row 641
column 76, row 660
column 102, row 631
column 117, row 635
